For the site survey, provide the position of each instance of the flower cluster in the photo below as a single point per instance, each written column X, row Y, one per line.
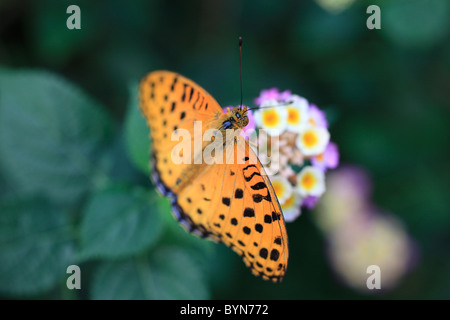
column 296, row 151
column 361, row 235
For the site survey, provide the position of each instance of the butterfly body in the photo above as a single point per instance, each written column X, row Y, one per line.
column 218, row 193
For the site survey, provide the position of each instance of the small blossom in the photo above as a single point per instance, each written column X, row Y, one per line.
column 311, row 182
column 381, row 241
column 291, row 207
column 329, row 159
column 313, row 140
column 289, row 149
column 310, row 202
column 272, row 94
column 287, row 172
column 282, row 187
column 348, row 192
column 317, row 117
column 272, row 120
column 297, row 114
column 285, row 95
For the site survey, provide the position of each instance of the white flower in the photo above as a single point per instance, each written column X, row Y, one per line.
column 282, row 187
column 313, row 140
column 273, row 120
column 311, row 182
column 297, row 114
column 292, row 207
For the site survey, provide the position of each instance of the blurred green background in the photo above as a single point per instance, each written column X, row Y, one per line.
column 74, row 186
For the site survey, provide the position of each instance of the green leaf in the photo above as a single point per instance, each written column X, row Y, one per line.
column 169, row 273
column 50, row 135
column 118, row 222
column 137, row 134
column 175, row 234
column 36, row 247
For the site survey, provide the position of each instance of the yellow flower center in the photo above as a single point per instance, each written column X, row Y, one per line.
column 278, row 188
column 293, row 116
column 310, row 139
column 320, row 157
column 308, row 181
column 289, row 201
column 270, row 118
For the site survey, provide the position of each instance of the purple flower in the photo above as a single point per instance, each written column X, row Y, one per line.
column 329, row 159
column 310, row 202
column 317, row 116
column 248, row 129
column 285, row 95
column 272, row 94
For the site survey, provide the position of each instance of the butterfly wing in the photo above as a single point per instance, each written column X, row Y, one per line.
column 170, row 102
column 235, row 203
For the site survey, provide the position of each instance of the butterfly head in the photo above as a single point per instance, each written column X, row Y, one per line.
column 236, row 118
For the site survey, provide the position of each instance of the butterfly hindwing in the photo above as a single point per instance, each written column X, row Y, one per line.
column 255, row 224
column 241, row 210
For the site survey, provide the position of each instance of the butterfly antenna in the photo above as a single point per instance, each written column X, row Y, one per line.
column 240, row 64
column 280, row 104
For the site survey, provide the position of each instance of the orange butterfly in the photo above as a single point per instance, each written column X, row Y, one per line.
column 233, row 201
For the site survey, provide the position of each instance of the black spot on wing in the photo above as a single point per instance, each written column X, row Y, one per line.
column 251, row 176
column 249, row 212
column 198, row 98
column 276, row 216
column 263, row 253
column 257, row 198
column 274, row 255
column 250, row 166
column 175, row 80
column 183, row 97
column 226, row 201
column 259, row 186
column 191, row 94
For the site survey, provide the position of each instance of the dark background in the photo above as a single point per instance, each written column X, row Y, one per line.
column 386, row 92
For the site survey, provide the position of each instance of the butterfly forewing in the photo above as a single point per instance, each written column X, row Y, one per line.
column 170, row 102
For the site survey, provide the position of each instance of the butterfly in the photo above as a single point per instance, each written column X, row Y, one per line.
column 231, row 202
